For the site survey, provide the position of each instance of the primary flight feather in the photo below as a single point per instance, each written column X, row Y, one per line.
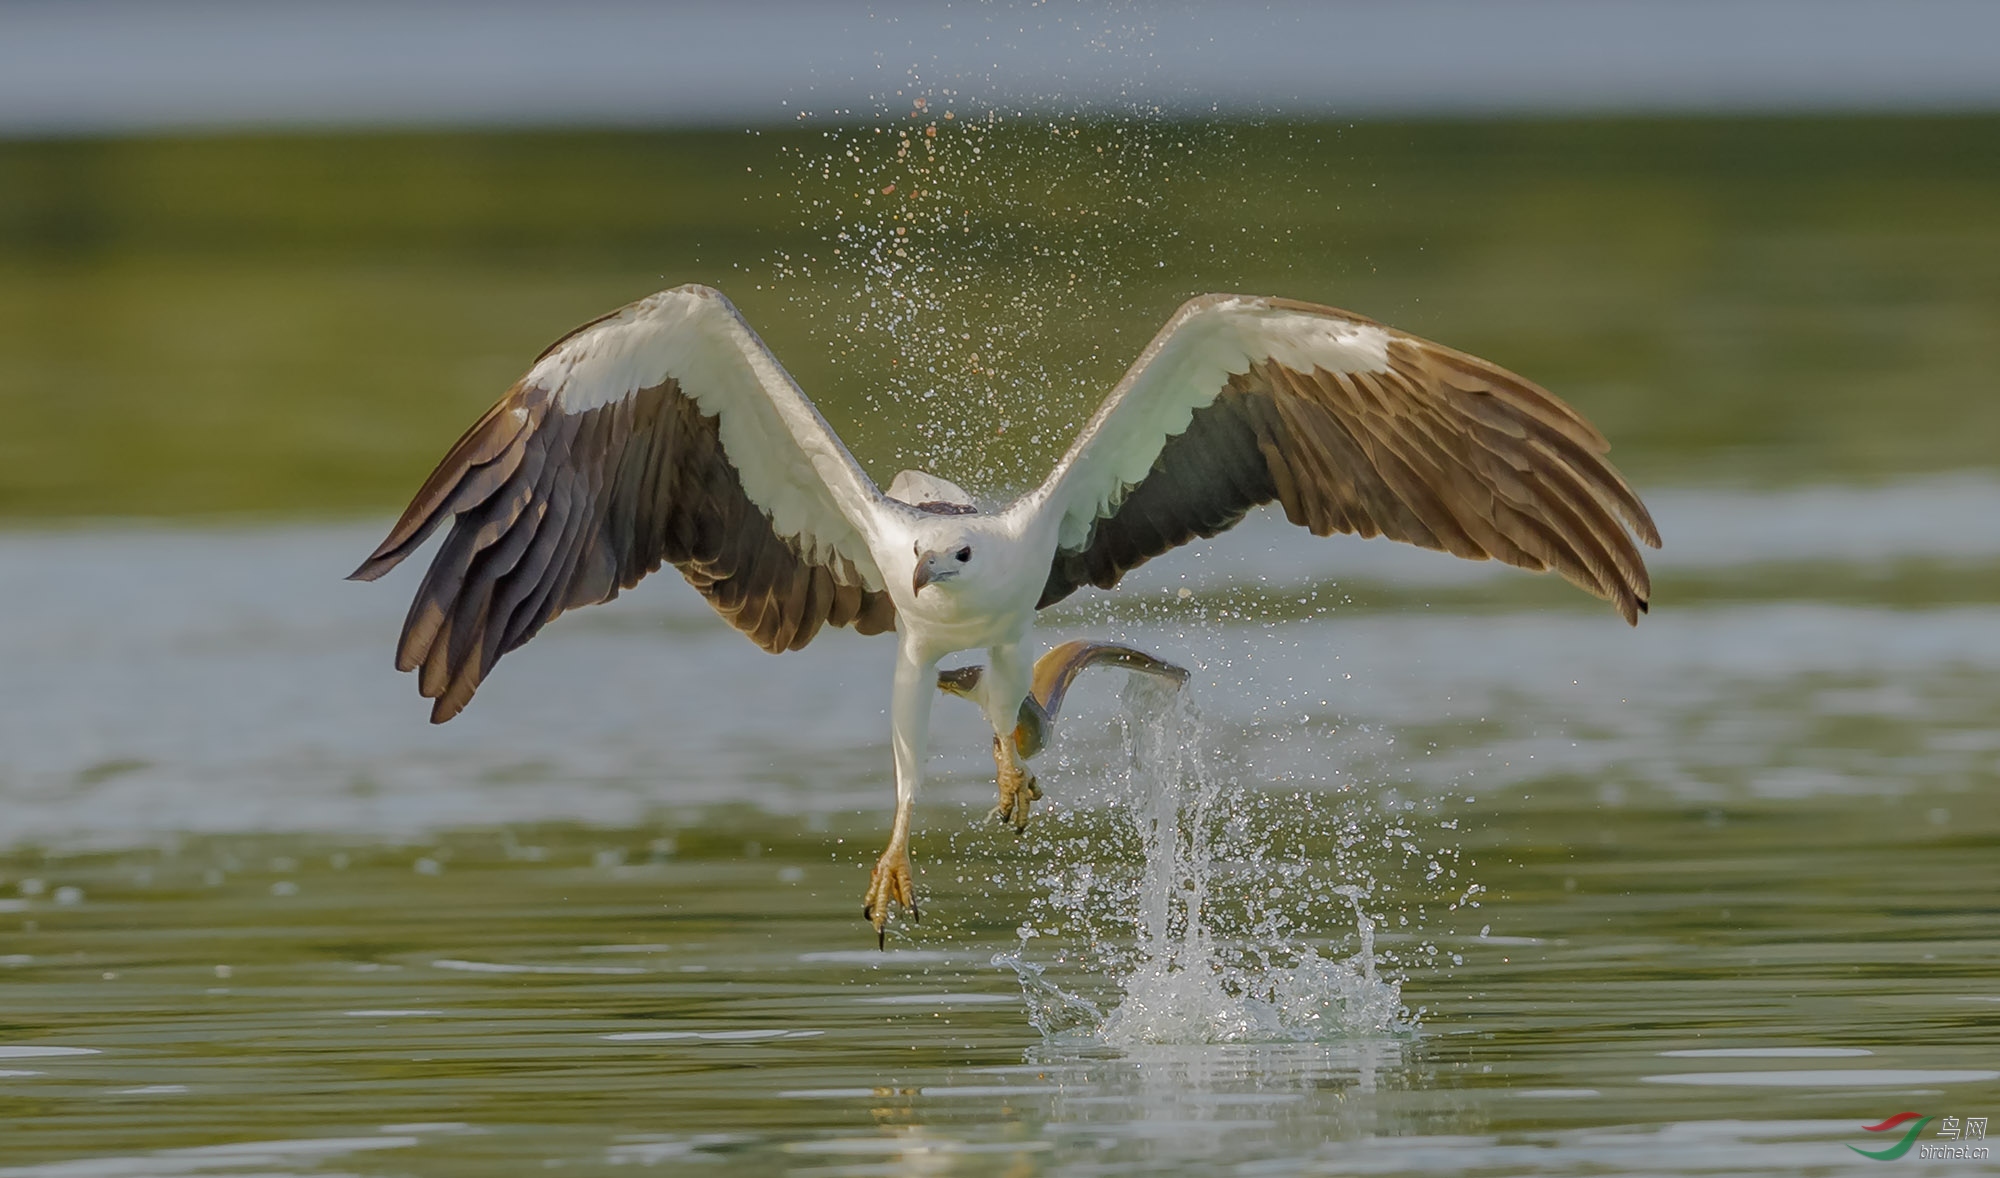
column 666, row 432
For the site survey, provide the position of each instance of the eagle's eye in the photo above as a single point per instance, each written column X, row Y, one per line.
column 963, row 554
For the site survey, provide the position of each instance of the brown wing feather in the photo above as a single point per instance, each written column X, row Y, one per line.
column 554, row 510
column 1443, row 450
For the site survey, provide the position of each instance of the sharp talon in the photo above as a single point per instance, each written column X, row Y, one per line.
column 916, row 916
column 889, row 886
column 1018, row 788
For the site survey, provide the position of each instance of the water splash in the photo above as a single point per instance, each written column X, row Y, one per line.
column 979, row 252
column 1217, row 932
column 975, row 263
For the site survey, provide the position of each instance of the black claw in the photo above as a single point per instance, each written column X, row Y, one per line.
column 916, row 917
column 881, row 940
column 868, row 912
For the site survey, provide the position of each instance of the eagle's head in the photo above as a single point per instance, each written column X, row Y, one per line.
column 942, row 562
column 943, row 552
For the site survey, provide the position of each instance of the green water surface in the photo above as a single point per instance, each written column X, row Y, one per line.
column 1737, row 893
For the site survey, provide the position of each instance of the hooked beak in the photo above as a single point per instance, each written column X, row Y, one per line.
column 929, row 573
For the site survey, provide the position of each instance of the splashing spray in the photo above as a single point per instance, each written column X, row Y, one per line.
column 1208, row 938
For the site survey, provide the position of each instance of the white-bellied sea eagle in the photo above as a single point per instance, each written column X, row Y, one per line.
column 666, row 432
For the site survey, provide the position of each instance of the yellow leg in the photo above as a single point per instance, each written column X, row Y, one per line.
column 909, row 727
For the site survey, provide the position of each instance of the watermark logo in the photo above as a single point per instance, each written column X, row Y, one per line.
column 1916, row 1121
column 1953, row 1134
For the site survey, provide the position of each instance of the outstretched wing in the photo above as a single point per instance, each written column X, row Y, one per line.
column 665, row 431
column 1353, row 427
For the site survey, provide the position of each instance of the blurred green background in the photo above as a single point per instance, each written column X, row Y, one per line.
column 298, row 325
